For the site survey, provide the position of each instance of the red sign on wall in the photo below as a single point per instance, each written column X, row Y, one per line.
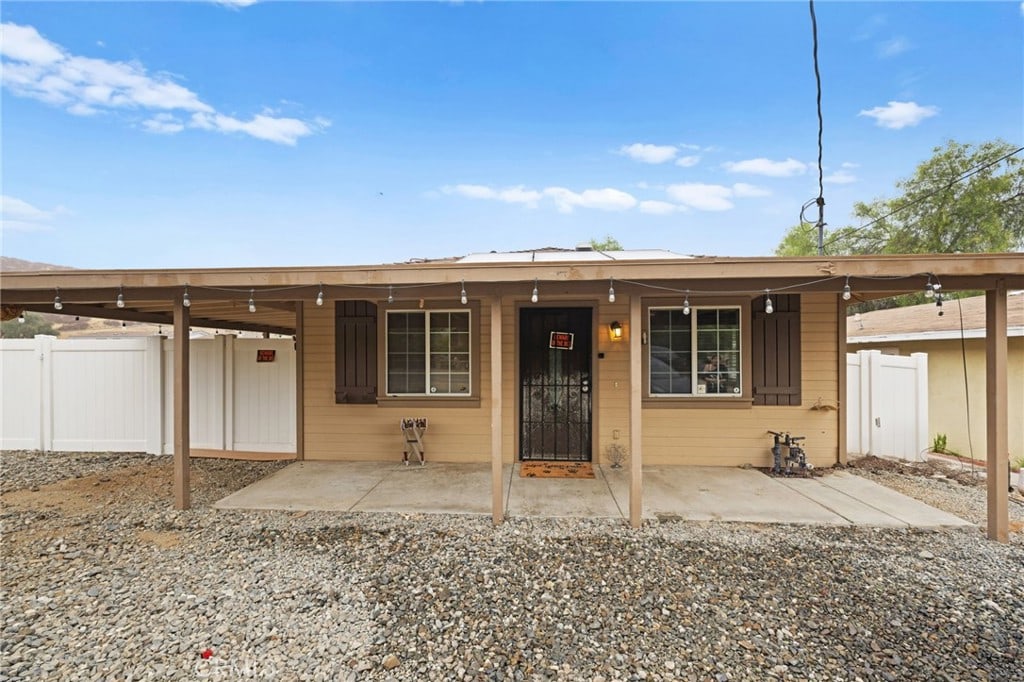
column 265, row 355
column 561, row 340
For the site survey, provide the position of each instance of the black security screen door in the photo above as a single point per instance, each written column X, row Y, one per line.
column 554, row 384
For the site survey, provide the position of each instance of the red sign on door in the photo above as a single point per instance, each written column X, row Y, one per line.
column 561, row 340
column 265, row 355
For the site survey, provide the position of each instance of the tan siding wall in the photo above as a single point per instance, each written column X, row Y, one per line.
column 717, row 437
column 733, row 437
column 371, row 432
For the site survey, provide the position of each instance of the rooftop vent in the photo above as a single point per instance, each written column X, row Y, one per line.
column 584, row 246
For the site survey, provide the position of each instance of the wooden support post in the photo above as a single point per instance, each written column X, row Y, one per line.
column 182, row 435
column 636, row 382
column 300, row 364
column 841, row 413
column 996, row 397
column 497, row 501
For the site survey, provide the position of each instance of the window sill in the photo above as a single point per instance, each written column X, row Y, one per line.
column 723, row 403
column 428, row 401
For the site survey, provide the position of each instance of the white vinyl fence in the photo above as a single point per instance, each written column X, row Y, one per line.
column 887, row 404
column 97, row 395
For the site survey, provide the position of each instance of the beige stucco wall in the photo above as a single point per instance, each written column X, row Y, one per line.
column 703, row 436
column 947, row 398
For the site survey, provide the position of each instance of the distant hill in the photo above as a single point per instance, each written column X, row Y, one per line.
column 8, row 264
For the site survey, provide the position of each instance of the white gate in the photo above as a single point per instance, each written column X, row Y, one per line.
column 887, row 404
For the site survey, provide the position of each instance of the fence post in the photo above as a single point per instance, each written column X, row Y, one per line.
column 921, row 404
column 45, row 345
column 154, row 391
column 866, row 412
column 228, row 391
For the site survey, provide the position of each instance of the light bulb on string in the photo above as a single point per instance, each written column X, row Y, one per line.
column 929, row 288
column 320, row 296
column 57, row 303
column 21, row 318
column 534, row 297
column 611, row 291
column 768, row 307
column 686, row 303
column 846, row 290
column 391, row 294
column 120, row 297
column 186, row 300
column 252, row 301
column 463, row 298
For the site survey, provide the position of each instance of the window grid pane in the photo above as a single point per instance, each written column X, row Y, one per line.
column 696, row 354
column 428, row 353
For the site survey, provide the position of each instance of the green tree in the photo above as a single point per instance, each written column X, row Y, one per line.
column 965, row 198
column 33, row 324
column 609, row 243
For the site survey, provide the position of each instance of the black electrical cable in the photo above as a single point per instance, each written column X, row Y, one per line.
column 821, row 125
column 949, row 185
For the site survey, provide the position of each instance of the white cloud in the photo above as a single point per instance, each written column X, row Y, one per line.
column 660, row 207
column 235, row 3
column 688, row 161
column 606, row 199
column 692, row 147
column 762, row 166
column 565, row 200
column 165, row 124
column 893, row 47
column 743, row 190
column 649, row 153
column 849, row 164
column 19, row 215
column 36, row 68
column 840, row 177
column 701, row 196
column 510, row 195
column 896, row 115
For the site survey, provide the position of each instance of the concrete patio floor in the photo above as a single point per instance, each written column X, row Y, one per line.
column 687, row 493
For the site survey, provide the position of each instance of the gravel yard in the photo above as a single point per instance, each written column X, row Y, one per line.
column 102, row 579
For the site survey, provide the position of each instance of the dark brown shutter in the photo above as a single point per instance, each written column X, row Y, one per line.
column 776, row 350
column 355, row 352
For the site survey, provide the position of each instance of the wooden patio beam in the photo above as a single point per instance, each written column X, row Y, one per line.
column 997, row 421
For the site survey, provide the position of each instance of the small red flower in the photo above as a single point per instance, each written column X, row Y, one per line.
column 206, row 653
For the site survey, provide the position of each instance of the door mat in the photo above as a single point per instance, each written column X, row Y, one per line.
column 556, row 470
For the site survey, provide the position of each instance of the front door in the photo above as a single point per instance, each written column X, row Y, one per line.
column 554, row 384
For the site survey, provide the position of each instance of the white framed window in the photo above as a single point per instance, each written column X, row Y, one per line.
column 428, row 352
column 694, row 355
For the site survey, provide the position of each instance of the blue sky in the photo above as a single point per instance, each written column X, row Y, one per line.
column 204, row 134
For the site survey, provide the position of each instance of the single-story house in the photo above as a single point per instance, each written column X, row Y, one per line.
column 551, row 354
column 955, row 344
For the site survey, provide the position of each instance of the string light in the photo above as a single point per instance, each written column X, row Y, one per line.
column 21, row 318
column 186, row 300
column 463, row 298
column 768, row 307
column 252, row 301
column 391, row 294
column 929, row 288
column 320, row 296
column 686, row 303
column 611, row 290
column 120, row 297
column 846, row 290
column 534, row 298
column 57, row 304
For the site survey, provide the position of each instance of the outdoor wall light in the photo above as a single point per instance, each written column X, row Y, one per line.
column 615, row 331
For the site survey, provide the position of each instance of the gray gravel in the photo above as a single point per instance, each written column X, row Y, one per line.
column 129, row 589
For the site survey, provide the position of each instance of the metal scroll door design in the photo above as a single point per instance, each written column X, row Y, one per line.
column 554, row 385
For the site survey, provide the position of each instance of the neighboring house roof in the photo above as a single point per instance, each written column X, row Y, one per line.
column 923, row 322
